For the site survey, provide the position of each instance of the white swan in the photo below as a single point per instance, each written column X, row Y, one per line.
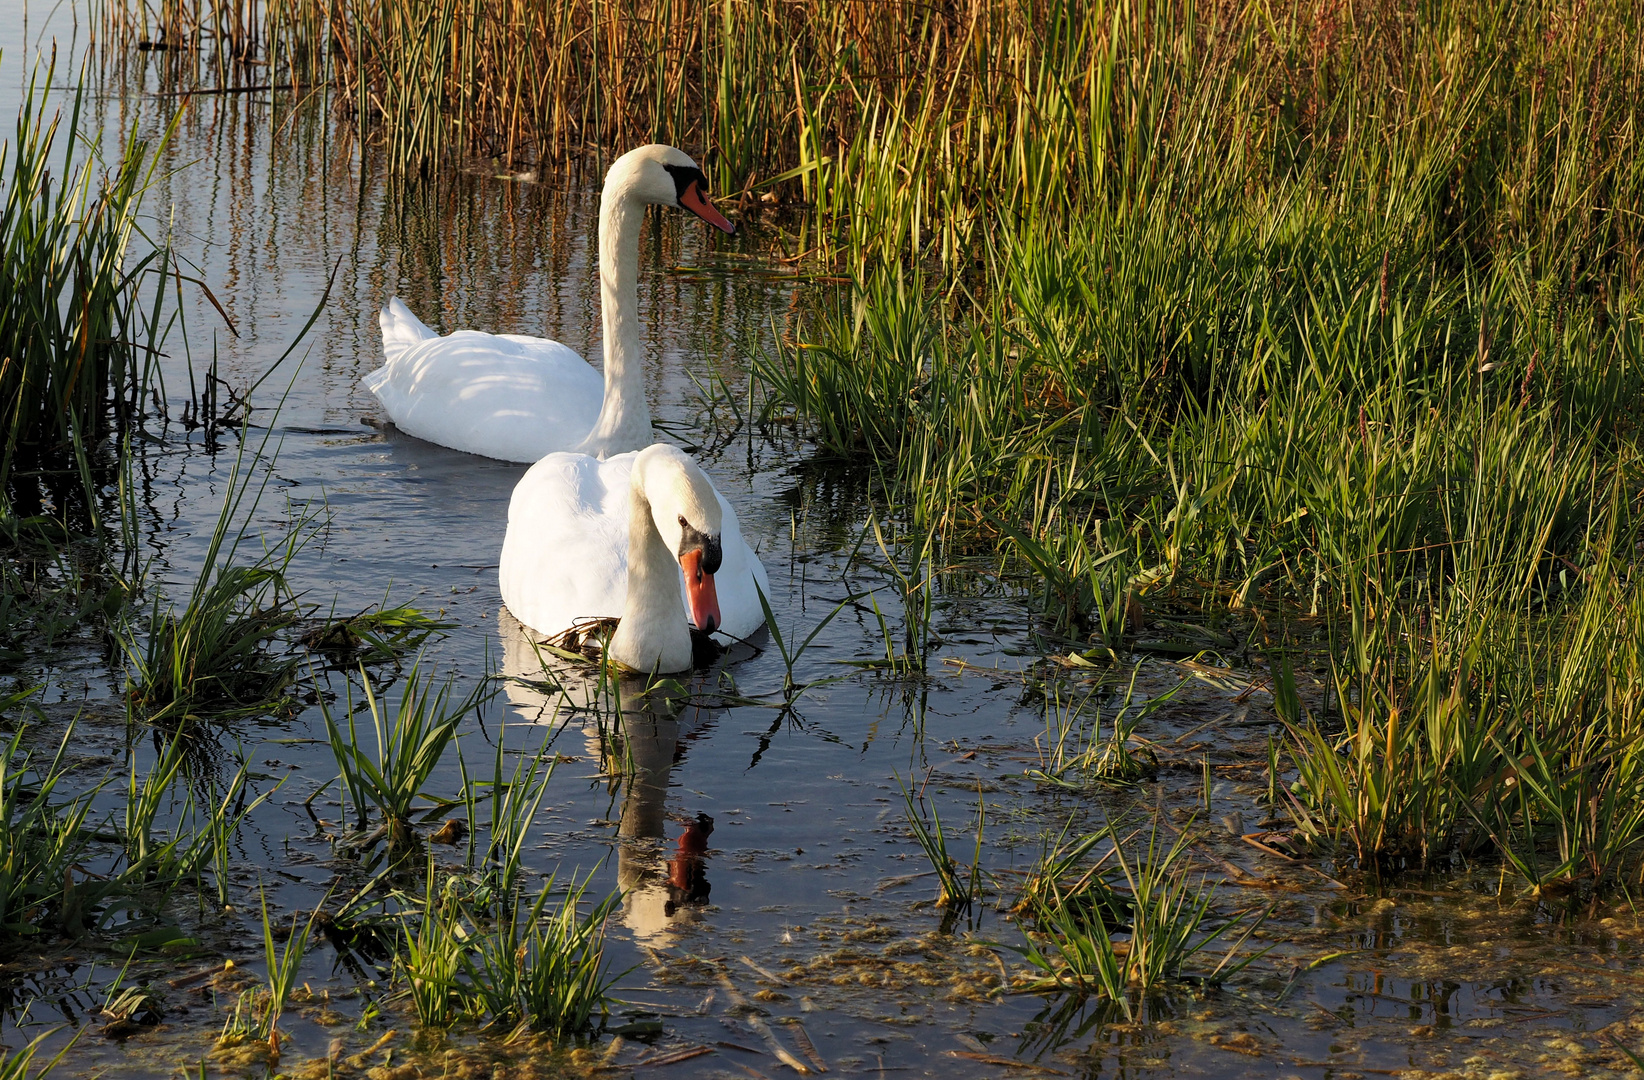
column 590, row 539
column 518, row 398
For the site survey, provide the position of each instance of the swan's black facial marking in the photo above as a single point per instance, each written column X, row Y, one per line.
column 694, row 539
column 684, row 176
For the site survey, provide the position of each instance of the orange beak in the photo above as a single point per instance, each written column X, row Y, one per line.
column 698, row 204
column 699, row 590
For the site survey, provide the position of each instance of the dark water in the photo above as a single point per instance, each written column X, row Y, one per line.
column 812, row 902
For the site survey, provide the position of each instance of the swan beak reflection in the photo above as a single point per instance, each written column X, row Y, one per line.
column 699, row 590
column 697, row 203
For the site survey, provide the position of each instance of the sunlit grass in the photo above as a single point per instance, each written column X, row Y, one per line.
column 409, row 746
column 1127, row 923
column 545, row 965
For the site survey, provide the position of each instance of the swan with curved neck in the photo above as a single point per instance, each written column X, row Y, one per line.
column 643, row 535
column 519, row 398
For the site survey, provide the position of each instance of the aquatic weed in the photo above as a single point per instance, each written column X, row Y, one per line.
column 430, row 960
column 409, row 748
column 958, row 889
column 79, row 343
column 1083, row 947
column 282, row 965
column 545, row 966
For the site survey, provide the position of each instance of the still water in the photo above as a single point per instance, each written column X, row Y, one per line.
column 773, row 892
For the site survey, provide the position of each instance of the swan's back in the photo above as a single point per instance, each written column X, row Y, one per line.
column 503, row 396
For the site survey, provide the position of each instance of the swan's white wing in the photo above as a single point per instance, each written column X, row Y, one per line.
column 565, row 557
column 499, row 396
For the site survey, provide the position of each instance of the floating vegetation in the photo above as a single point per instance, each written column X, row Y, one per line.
column 374, row 636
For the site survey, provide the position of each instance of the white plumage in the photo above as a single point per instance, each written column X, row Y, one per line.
column 565, row 557
column 504, row 396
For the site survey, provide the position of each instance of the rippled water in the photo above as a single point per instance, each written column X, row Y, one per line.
column 811, row 900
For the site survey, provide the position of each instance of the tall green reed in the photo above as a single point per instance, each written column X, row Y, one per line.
column 919, row 131
column 78, row 346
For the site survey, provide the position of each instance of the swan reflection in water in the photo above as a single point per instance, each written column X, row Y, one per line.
column 662, row 858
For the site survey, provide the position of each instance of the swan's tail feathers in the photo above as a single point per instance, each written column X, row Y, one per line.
column 400, row 329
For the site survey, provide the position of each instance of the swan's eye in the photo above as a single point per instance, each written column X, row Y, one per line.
column 683, row 524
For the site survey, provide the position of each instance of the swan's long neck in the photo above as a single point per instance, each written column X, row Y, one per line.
column 625, row 417
column 653, row 635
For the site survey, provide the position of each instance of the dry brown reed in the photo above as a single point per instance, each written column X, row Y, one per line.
column 909, row 124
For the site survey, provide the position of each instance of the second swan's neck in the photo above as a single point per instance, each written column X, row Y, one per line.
column 653, row 635
column 625, row 417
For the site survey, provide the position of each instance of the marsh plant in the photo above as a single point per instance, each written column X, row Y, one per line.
column 512, row 808
column 1080, row 746
column 67, row 872
column 44, row 838
column 959, row 886
column 544, row 964
column 282, row 961
column 79, row 338
column 410, row 744
column 430, row 956
column 15, row 1065
column 1128, row 922
column 538, row 963
column 1365, row 385
column 222, row 654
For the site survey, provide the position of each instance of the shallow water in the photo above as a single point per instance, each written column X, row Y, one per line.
column 812, row 902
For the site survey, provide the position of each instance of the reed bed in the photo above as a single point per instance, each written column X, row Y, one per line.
column 917, row 130
column 78, row 339
column 1346, row 376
